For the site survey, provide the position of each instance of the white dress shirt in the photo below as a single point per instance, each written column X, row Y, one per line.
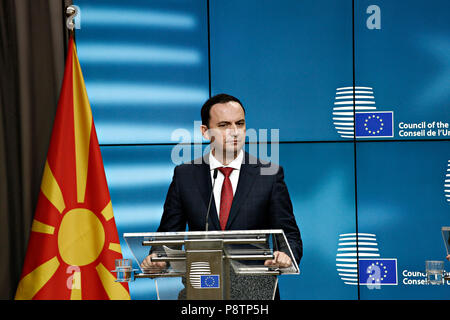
column 234, row 176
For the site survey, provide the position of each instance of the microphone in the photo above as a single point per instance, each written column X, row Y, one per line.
column 210, row 198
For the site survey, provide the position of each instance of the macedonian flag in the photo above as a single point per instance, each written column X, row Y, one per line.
column 74, row 241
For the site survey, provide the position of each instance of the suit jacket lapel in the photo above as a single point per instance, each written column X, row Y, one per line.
column 246, row 179
column 205, row 186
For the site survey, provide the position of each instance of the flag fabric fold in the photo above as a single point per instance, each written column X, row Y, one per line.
column 73, row 242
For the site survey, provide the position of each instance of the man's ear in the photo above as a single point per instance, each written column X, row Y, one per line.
column 205, row 132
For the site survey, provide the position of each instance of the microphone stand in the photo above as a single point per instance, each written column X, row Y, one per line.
column 210, row 198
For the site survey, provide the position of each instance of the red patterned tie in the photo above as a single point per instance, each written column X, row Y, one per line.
column 226, row 197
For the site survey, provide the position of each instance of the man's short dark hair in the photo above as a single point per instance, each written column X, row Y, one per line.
column 219, row 98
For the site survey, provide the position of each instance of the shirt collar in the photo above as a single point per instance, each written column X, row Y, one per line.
column 235, row 164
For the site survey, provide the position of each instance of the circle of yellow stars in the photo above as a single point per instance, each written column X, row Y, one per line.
column 383, row 271
column 373, row 132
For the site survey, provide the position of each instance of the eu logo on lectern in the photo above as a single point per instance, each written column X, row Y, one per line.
column 209, row 281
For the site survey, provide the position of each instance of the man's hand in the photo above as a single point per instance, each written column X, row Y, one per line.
column 152, row 266
column 448, row 257
column 280, row 260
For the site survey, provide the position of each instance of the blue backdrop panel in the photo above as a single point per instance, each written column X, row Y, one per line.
column 402, row 53
column 320, row 179
column 138, row 180
column 145, row 64
column 401, row 199
column 284, row 60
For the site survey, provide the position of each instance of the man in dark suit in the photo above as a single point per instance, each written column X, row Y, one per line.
column 248, row 194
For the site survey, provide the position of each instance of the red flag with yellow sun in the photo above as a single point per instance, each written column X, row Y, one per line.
column 74, row 241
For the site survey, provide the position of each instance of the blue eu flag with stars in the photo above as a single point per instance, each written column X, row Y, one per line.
column 378, row 271
column 377, row 124
column 209, row 281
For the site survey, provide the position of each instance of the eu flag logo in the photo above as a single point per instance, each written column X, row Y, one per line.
column 378, row 271
column 209, row 281
column 377, row 124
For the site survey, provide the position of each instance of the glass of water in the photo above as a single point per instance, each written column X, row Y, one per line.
column 435, row 272
column 124, row 269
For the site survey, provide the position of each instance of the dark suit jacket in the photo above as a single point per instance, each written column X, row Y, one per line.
column 260, row 201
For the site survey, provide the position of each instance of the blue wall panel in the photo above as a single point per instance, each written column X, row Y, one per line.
column 401, row 199
column 406, row 61
column 138, row 179
column 284, row 59
column 320, row 179
column 145, row 65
